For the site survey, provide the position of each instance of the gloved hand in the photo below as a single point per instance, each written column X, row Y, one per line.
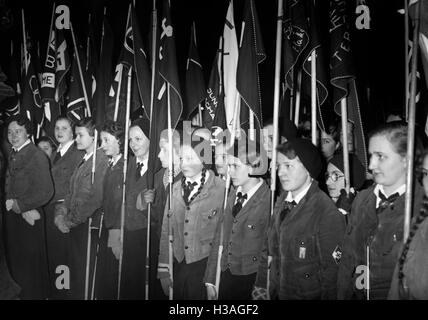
column 9, row 204
column 344, row 201
column 211, row 292
column 114, row 242
column 31, row 216
column 12, row 204
column 166, row 284
column 259, row 293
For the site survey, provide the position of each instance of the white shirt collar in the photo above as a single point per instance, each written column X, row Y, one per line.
column 298, row 197
column 87, row 156
column 400, row 190
column 113, row 162
column 198, row 178
column 250, row 192
column 63, row 149
column 23, row 145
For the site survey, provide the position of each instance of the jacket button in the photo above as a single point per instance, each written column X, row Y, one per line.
column 230, row 243
column 187, row 220
column 254, row 258
column 233, row 231
column 186, row 247
column 235, row 221
column 228, row 265
column 230, row 253
column 185, row 233
column 187, row 208
column 307, row 275
column 211, row 243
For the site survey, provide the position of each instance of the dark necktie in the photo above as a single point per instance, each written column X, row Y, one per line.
column 288, row 207
column 57, row 157
column 140, row 165
column 188, row 190
column 386, row 202
column 238, row 205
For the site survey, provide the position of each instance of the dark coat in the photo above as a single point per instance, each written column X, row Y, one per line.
column 302, row 247
column 383, row 233
column 63, row 169
column 112, row 195
column 244, row 235
column 28, row 180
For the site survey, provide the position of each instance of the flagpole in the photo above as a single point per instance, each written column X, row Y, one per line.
column 24, row 42
column 344, row 118
column 76, row 50
column 220, row 247
column 314, row 97
column 96, row 256
column 275, row 118
column 406, row 57
column 102, row 34
column 152, row 93
column 119, row 85
column 298, row 89
column 170, row 180
column 125, row 168
column 87, row 45
column 411, row 126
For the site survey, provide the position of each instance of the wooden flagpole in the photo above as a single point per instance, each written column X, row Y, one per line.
column 313, row 97
column 82, row 80
column 411, row 124
column 344, row 117
column 125, row 168
column 171, row 181
column 406, row 57
column 298, row 90
column 275, row 118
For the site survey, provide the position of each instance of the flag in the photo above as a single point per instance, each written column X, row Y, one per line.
column 103, row 76
column 321, row 72
column 342, row 75
column 166, row 82
column 91, row 62
column 62, row 69
column 6, row 91
column 195, row 83
column 251, row 54
column 230, row 65
column 296, row 38
column 213, row 114
column 31, row 101
column 11, row 104
column 76, row 105
column 141, row 68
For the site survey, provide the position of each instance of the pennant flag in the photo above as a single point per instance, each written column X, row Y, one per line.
column 31, row 101
column 195, row 83
column 142, row 71
column 167, row 89
column 321, row 72
column 63, row 66
column 230, row 65
column 342, row 74
column 214, row 116
column 103, row 77
column 48, row 82
column 251, row 53
column 76, row 105
column 296, row 38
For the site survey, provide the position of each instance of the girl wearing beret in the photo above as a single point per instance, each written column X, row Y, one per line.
column 375, row 226
column 28, row 188
column 307, row 229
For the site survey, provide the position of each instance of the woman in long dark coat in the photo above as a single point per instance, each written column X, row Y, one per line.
column 28, row 187
column 63, row 162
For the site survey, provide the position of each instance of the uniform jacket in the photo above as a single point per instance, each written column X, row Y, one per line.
column 112, row 195
column 302, row 247
column 137, row 219
column 63, row 169
column 193, row 227
column 383, row 233
column 244, row 235
column 28, row 178
column 84, row 197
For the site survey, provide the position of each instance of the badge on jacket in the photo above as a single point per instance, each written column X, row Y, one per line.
column 337, row 254
column 302, row 252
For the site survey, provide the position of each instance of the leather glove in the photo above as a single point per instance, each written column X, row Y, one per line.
column 166, row 284
column 114, row 242
column 211, row 291
column 31, row 216
column 60, row 223
column 12, row 204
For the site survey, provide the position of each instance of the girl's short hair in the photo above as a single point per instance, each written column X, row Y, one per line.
column 116, row 130
column 89, row 124
column 395, row 133
column 22, row 121
column 71, row 122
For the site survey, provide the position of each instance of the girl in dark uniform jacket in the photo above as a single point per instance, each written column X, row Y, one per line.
column 195, row 210
column 28, row 187
column 244, row 223
column 135, row 231
column 81, row 203
column 306, row 230
column 112, row 142
column 376, row 218
column 63, row 162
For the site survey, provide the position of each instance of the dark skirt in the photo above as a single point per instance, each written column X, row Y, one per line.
column 58, row 255
column 236, row 287
column 188, row 280
column 25, row 247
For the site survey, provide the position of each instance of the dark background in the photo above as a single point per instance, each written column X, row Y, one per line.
column 378, row 52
